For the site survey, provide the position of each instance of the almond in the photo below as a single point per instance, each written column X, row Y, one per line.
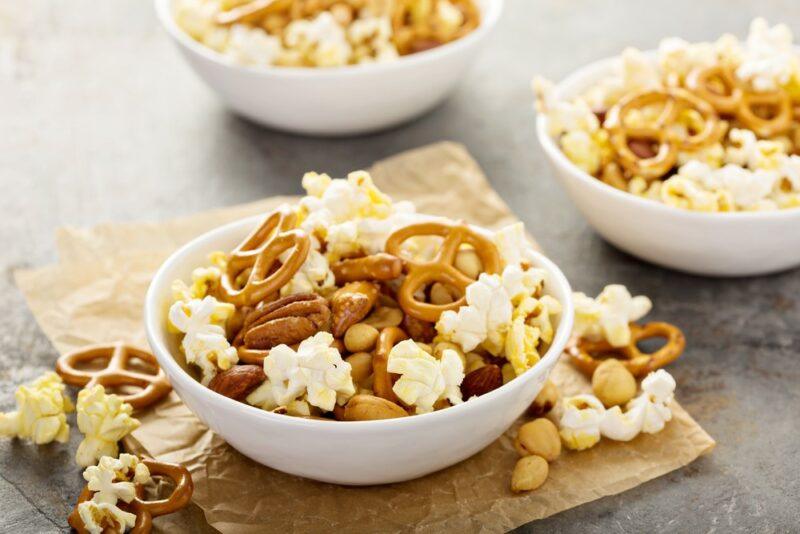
column 238, row 381
column 350, row 304
column 481, row 381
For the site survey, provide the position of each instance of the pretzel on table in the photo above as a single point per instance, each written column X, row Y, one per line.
column 145, row 510
column 587, row 355
column 117, row 372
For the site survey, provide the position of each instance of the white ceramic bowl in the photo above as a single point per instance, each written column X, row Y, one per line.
column 715, row 244
column 336, row 101
column 363, row 452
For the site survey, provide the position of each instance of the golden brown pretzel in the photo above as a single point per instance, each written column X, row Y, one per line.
column 661, row 133
column 379, row 266
column 382, row 381
column 588, row 355
column 441, row 269
column 415, row 30
column 144, row 510
column 720, row 87
column 251, row 12
column 256, row 257
column 116, row 372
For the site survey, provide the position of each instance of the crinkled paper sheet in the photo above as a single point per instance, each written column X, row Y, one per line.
column 97, row 292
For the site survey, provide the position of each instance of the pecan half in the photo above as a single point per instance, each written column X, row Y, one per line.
column 350, row 304
column 288, row 320
column 481, row 381
column 238, row 381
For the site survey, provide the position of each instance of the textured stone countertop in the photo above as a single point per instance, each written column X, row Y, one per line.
column 100, row 120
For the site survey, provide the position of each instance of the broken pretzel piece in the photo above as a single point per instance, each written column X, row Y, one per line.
column 379, row 266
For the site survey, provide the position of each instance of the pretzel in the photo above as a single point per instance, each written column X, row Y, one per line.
column 251, row 12
column 379, row 266
column 414, row 31
column 116, row 372
column 587, row 355
column 720, row 87
column 660, row 133
column 145, row 510
column 257, row 256
column 441, row 269
column 382, row 381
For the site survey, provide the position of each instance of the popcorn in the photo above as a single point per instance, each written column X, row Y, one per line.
column 316, row 370
column 608, row 316
column 203, row 279
column 40, row 415
column 769, row 59
column 512, row 244
column 579, row 423
column 104, row 420
column 424, row 380
column 746, row 150
column 485, row 318
column 98, row 517
column 251, row 46
column 682, row 193
column 114, row 479
column 204, row 344
column 563, row 116
column 520, row 283
column 321, row 41
column 314, row 276
column 648, row 413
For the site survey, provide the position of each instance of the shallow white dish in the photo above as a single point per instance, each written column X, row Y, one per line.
column 336, row 101
column 357, row 453
column 714, row 244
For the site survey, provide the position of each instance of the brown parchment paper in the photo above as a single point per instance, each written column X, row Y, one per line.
column 97, row 292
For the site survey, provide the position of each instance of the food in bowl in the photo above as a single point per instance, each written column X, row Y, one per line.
column 323, row 33
column 712, row 127
column 349, row 306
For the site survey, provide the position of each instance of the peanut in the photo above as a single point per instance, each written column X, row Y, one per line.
column 469, row 263
column 361, row 366
column 613, row 384
column 369, row 408
column 529, row 473
column 384, row 317
column 539, row 437
column 360, row 337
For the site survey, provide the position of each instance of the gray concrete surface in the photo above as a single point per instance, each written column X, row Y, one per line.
column 100, row 120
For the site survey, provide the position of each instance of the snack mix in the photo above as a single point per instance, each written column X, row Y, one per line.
column 323, row 33
column 349, row 306
column 704, row 126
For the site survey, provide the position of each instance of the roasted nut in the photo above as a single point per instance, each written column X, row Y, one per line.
column 545, row 400
column 529, row 473
column 360, row 337
column 481, row 381
column 539, row 437
column 613, row 384
column 286, row 321
column 238, row 381
column 369, row 408
column 350, row 304
column 441, row 294
column 384, row 317
column 469, row 263
column 360, row 366
column 380, row 266
column 419, row 330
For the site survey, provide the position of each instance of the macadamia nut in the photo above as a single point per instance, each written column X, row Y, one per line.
column 539, row 437
column 529, row 473
column 360, row 337
column 613, row 384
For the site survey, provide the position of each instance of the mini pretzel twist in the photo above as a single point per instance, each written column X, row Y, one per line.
column 441, row 269
column 661, row 132
column 588, row 355
column 382, row 381
column 117, row 372
column 416, row 31
column 145, row 510
column 720, row 87
column 257, row 256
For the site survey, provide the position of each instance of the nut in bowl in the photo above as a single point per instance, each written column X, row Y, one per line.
column 685, row 156
column 338, row 361
column 330, row 68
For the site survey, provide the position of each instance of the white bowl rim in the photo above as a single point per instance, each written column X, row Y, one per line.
column 151, row 317
column 576, row 79
column 489, row 20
